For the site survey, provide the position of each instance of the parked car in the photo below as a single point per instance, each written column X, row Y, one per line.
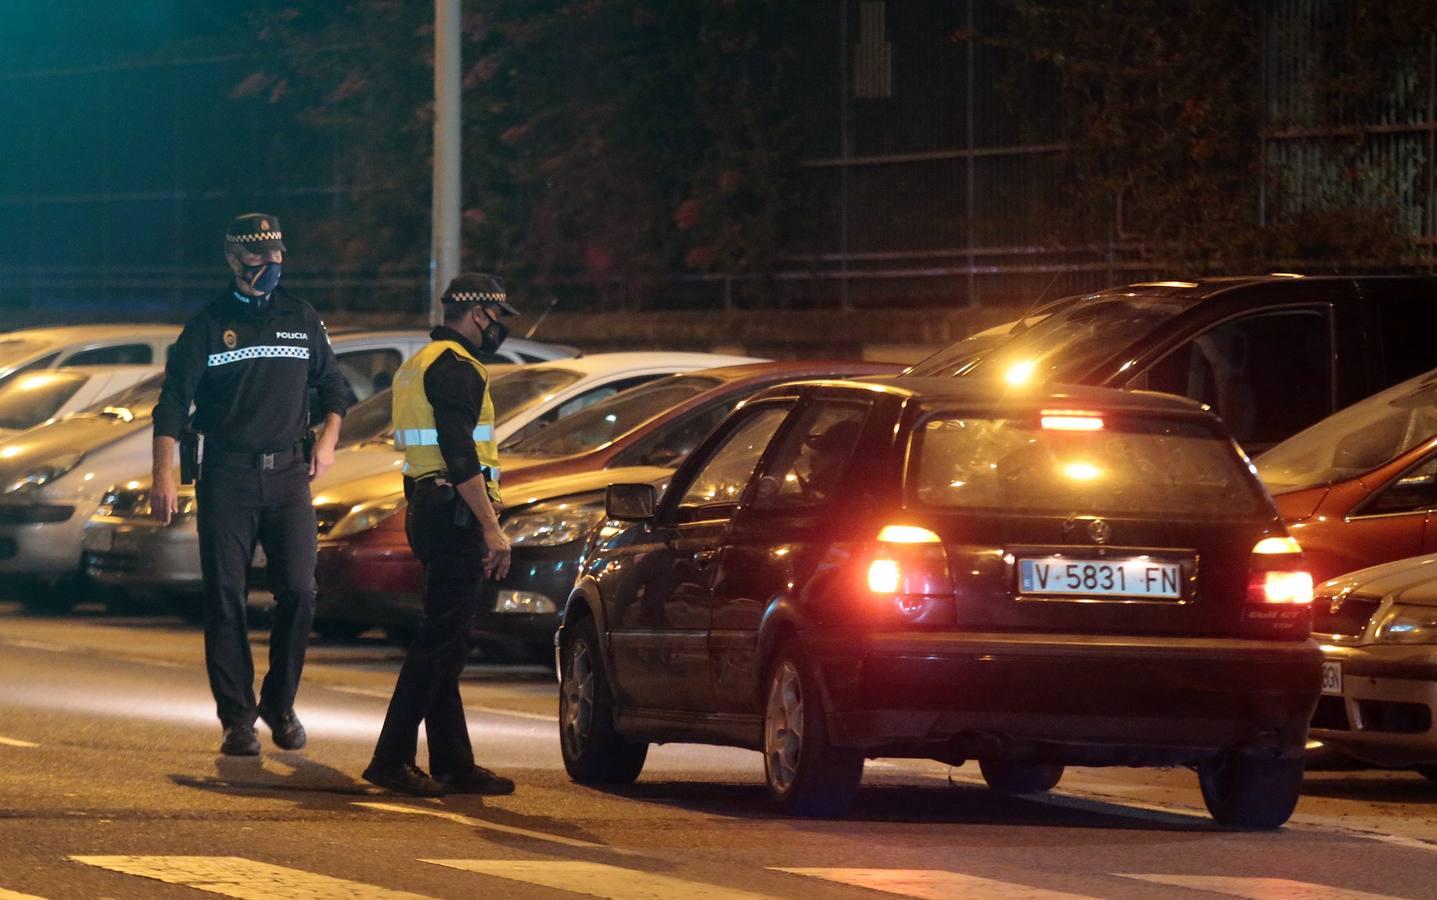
column 53, row 478
column 1378, row 628
column 133, row 344
column 1359, row 487
column 553, row 504
column 1240, row 345
column 36, row 397
column 124, row 549
column 836, row 549
column 515, row 351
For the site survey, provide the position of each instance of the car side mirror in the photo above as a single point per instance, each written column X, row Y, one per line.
column 630, row 502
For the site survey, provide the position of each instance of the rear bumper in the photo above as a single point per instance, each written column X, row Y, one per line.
column 1080, row 699
column 1386, row 714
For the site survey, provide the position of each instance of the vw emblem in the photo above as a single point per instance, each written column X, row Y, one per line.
column 1099, row 531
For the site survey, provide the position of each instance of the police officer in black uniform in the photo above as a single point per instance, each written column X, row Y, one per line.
column 248, row 362
column 444, row 421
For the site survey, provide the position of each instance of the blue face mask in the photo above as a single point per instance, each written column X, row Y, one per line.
column 262, row 278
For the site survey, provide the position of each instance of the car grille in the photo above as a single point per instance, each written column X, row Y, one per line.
column 97, row 563
column 326, row 517
column 1349, row 619
column 1394, row 718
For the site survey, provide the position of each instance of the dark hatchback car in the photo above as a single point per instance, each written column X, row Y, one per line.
column 930, row 568
column 1270, row 354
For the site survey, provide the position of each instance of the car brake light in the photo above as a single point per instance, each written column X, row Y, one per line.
column 1070, row 420
column 884, row 576
column 1275, row 545
column 1287, row 587
column 907, row 534
column 909, row 571
column 1279, row 591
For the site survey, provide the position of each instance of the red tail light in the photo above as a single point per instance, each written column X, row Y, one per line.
column 908, row 574
column 1279, row 590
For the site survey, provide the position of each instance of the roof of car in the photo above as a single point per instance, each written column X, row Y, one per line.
column 77, row 333
column 802, row 368
column 607, row 362
column 987, row 392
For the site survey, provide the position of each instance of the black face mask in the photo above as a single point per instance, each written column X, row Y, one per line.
column 494, row 334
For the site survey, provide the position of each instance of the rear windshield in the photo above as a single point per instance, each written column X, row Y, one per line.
column 1132, row 466
column 597, row 425
column 1070, row 342
column 36, row 396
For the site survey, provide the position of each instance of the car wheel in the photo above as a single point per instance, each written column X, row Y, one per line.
column 806, row 775
column 594, row 752
column 1008, row 777
column 1428, row 772
column 41, row 599
column 1250, row 792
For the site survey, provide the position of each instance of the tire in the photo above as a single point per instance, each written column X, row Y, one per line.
column 1016, row 778
column 806, row 775
column 1250, row 792
column 1428, row 772
column 41, row 599
column 594, row 752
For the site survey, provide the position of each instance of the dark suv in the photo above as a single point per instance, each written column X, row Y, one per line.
column 1270, row 354
column 932, row 568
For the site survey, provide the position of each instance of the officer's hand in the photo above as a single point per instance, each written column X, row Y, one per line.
column 322, row 459
column 496, row 555
column 164, row 498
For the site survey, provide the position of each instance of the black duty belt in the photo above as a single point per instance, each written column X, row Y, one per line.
column 245, row 459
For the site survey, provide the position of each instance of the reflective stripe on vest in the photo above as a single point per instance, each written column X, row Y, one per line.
column 429, row 437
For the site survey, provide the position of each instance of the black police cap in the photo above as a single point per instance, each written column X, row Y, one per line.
column 255, row 232
column 477, row 287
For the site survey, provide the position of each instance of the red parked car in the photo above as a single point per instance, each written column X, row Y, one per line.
column 1360, row 487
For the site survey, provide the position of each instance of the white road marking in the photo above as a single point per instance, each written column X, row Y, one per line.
column 234, row 876
column 933, row 884
column 490, row 826
column 1259, row 888
column 596, row 879
column 16, row 742
column 37, row 645
column 16, row 895
column 491, row 710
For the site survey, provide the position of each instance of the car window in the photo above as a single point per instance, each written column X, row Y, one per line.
column 603, row 422
column 136, row 402
column 670, row 442
column 574, row 404
column 36, row 396
column 723, row 475
column 515, row 392
column 368, row 419
column 118, row 355
column 1130, row 466
column 1413, row 491
column 34, row 365
column 1245, row 370
column 1355, row 440
column 807, row 467
column 367, row 372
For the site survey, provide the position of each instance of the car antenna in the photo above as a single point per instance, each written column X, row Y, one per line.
column 1021, row 326
column 553, row 301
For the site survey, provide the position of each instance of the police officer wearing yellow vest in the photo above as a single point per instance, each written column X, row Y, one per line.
column 444, row 422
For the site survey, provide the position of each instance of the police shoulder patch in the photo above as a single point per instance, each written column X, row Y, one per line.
column 230, row 338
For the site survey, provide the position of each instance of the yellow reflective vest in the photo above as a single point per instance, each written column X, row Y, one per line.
column 414, row 430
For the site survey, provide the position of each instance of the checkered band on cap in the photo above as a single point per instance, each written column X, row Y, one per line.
column 476, row 297
column 254, row 236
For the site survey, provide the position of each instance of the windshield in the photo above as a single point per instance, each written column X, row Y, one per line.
column 1355, row 440
column 528, row 386
column 134, row 403
column 36, row 396
column 1068, row 343
column 13, row 350
column 1132, row 466
column 368, row 419
column 601, row 423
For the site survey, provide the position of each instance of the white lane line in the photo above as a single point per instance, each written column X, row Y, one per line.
column 16, row 895
column 16, row 742
column 491, row 710
column 596, row 879
column 235, row 876
column 1259, row 888
column 472, row 822
column 37, row 645
column 933, row 884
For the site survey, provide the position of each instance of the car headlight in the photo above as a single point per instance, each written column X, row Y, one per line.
column 554, row 522
column 365, row 516
column 42, row 475
column 1408, row 625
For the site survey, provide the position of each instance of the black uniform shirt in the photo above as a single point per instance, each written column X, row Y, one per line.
column 248, row 372
column 455, row 390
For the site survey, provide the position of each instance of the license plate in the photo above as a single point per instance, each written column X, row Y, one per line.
column 1332, row 678
column 1065, row 576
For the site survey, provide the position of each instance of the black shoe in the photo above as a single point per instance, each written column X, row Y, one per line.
column 403, row 778
column 240, row 740
column 477, row 780
column 284, row 727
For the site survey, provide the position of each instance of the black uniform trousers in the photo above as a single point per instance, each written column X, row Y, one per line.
column 447, row 539
column 239, row 505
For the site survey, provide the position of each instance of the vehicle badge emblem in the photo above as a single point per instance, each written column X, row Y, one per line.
column 1099, row 531
column 231, row 338
column 264, row 224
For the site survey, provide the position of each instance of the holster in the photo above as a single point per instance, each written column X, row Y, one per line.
column 309, row 440
column 191, row 453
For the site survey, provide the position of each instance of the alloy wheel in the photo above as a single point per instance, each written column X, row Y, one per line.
column 783, row 726
column 578, row 696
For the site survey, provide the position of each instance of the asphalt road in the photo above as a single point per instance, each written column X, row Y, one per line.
column 110, row 786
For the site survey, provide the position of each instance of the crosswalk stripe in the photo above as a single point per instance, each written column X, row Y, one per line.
column 235, row 876
column 596, row 879
column 1259, row 888
column 472, row 822
column 933, row 884
column 16, row 895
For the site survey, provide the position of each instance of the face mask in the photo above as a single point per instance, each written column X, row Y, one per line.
column 262, row 278
column 494, row 335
